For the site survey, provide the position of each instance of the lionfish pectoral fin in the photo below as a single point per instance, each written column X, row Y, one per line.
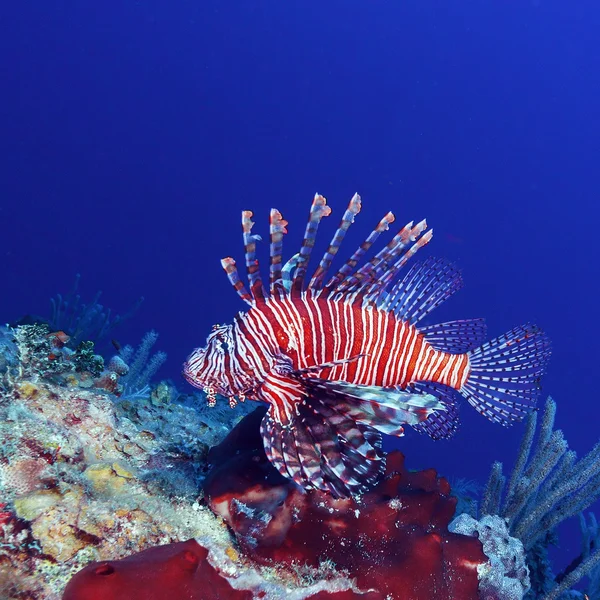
column 351, row 457
column 317, row 446
column 384, row 409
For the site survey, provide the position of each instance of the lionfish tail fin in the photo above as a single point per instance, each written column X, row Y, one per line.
column 504, row 380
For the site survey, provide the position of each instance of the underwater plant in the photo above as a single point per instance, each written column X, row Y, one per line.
column 85, row 321
column 548, row 485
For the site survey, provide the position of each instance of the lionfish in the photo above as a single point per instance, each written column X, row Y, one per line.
column 342, row 359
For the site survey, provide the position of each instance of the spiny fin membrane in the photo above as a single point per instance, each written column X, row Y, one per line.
column 324, row 450
column 456, row 337
column 424, row 287
column 440, row 425
column 504, row 381
column 384, row 409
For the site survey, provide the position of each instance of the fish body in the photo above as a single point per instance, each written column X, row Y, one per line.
column 342, row 360
column 313, row 331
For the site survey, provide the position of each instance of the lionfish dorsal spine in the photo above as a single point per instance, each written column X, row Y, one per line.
column 232, row 274
column 351, row 263
column 402, row 259
column 252, row 265
column 286, row 272
column 318, row 210
column 367, row 283
column 316, row 282
column 368, row 278
column 277, row 229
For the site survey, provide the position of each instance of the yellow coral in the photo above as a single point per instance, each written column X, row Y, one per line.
column 232, row 553
column 28, row 390
column 108, row 479
column 33, row 505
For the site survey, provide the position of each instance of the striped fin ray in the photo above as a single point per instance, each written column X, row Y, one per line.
column 353, row 209
column 347, row 469
column 309, row 457
column 348, row 267
column 345, row 427
column 323, row 448
column 318, row 210
column 456, row 337
column 277, row 229
column 504, row 381
column 252, row 265
column 440, row 425
column 287, row 270
column 386, row 274
column 371, row 276
column 232, row 274
column 384, row 409
column 269, row 430
column 426, row 285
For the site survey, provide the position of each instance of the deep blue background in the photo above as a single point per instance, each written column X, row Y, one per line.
column 133, row 133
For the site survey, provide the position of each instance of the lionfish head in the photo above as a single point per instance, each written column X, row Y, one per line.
column 213, row 368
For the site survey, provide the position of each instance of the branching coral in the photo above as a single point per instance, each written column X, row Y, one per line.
column 548, row 485
column 84, row 321
column 142, row 366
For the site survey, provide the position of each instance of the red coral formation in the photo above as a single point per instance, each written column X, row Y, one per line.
column 394, row 539
column 172, row 572
column 5, row 516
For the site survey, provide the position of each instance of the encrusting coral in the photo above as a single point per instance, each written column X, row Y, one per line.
column 78, row 469
column 390, row 543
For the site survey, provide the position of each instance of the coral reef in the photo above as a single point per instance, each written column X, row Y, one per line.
column 129, row 490
column 506, row 575
column 78, row 468
column 393, row 539
column 547, row 486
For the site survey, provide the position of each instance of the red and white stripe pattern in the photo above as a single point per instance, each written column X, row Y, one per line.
column 312, row 331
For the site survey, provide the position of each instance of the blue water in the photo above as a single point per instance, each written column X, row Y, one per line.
column 134, row 133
